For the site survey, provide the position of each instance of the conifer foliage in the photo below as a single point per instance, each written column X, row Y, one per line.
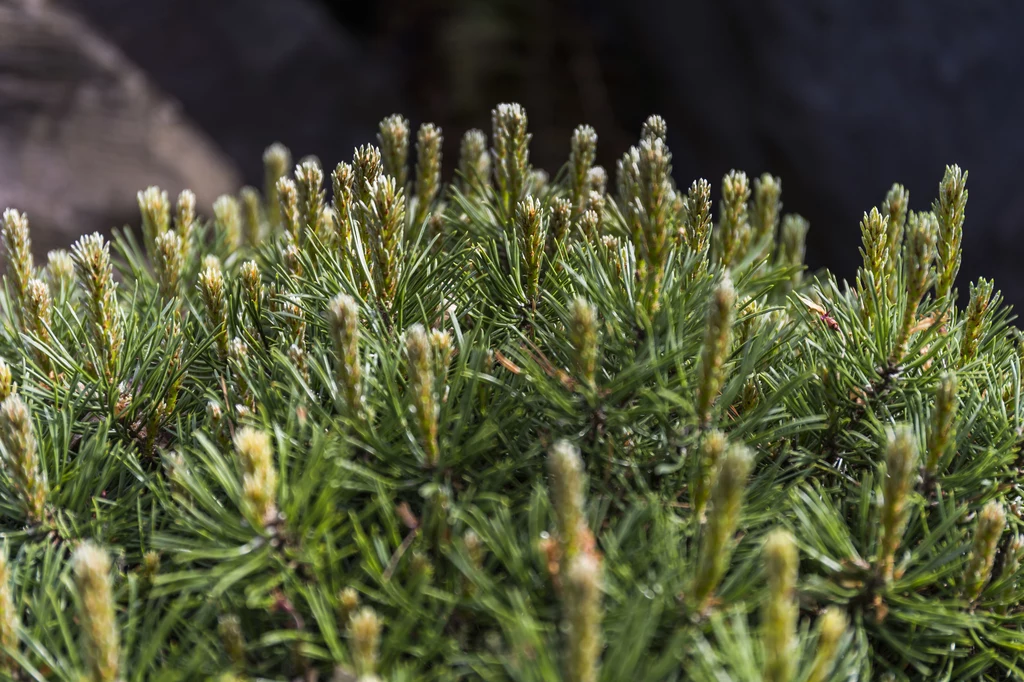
column 367, row 426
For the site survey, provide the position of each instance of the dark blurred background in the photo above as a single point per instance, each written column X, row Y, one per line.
column 99, row 98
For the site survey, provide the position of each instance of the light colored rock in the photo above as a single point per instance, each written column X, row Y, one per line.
column 81, row 129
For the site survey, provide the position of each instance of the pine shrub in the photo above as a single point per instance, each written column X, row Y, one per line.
column 510, row 428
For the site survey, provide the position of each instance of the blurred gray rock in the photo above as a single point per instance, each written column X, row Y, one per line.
column 82, row 129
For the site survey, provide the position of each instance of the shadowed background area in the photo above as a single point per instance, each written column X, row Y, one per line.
column 99, row 98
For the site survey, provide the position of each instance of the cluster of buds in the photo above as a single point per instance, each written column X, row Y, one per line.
column 348, row 602
column 874, row 229
column 168, row 263
column 18, row 245
column 342, row 180
column 582, row 603
column 364, row 628
column 384, row 221
column 367, row 166
column 288, row 201
column 38, row 311
column 252, row 214
column 277, row 159
column 589, row 225
column 211, row 288
column 309, row 180
column 579, row 563
column 597, row 179
column 474, row 164
column 919, row 257
column 7, row 385
column 991, row 522
column 156, row 215
column 442, row 352
column 530, row 233
column 567, row 493
column 648, row 200
column 696, row 229
column 715, row 350
column 942, row 430
column 91, row 255
column 582, row 154
column 169, row 249
column 780, row 610
column 229, row 628
column 558, row 225
column 712, row 447
column 367, row 169
column 900, row 473
column 977, row 319
column 734, row 231
column 511, row 154
column 185, row 217
column 343, row 321
column 150, row 567
column 654, row 127
column 831, row 629
column 96, row 613
column 393, row 138
column 423, row 399
column 723, row 517
column 949, row 212
column 896, row 208
column 292, row 257
column 8, row 615
column 21, row 458
column 767, row 209
column 428, row 170
column 793, row 245
column 252, row 287
column 227, row 220
column 259, row 477
column 584, row 341
column 60, row 274
column 293, row 318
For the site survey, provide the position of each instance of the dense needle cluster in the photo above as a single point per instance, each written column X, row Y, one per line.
column 367, row 424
